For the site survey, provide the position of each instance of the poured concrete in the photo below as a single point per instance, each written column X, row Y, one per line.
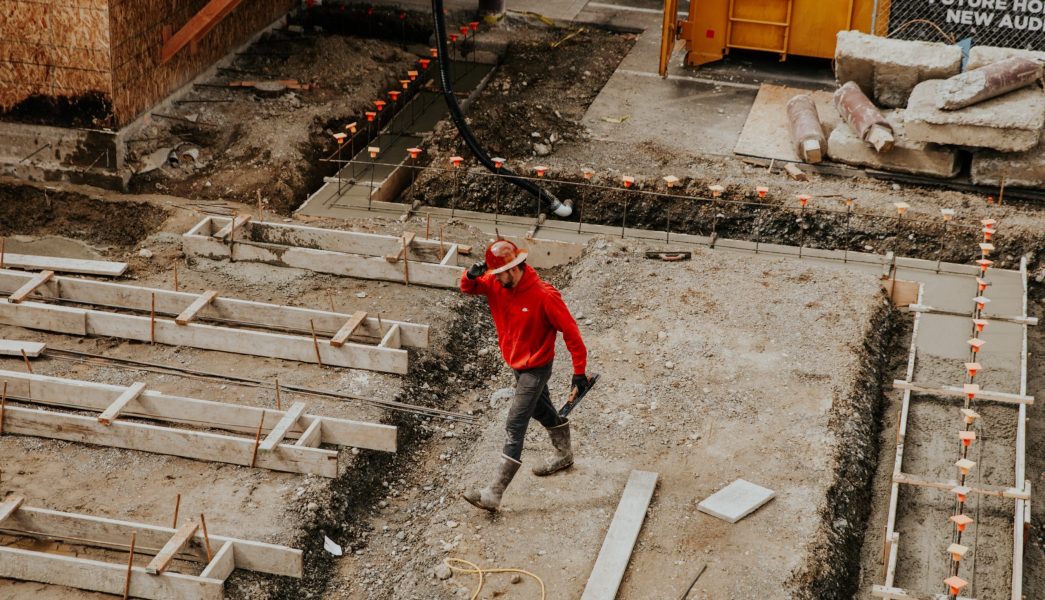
column 906, row 156
column 1021, row 169
column 887, row 70
column 1009, row 123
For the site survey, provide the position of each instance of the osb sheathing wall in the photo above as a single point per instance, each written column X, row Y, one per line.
column 65, row 50
column 55, row 49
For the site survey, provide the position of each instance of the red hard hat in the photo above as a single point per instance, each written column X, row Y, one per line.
column 503, row 255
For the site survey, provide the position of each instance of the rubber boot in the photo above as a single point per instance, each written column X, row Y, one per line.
column 489, row 498
column 563, row 459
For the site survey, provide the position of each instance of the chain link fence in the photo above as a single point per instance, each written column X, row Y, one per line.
column 1006, row 23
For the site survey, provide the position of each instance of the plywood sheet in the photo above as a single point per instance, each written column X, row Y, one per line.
column 765, row 132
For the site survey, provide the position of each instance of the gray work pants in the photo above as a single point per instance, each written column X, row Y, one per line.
column 532, row 400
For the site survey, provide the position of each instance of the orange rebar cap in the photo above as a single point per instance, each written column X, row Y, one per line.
column 503, row 255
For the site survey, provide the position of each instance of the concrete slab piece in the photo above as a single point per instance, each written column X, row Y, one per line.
column 907, row 156
column 887, row 70
column 980, row 56
column 766, row 132
column 736, row 501
column 1009, row 123
column 1020, row 169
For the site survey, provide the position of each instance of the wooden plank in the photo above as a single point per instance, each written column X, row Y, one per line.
column 30, row 286
column 983, row 490
column 1019, row 320
column 85, row 395
column 450, row 258
column 44, row 317
column 613, row 559
column 312, row 436
column 113, row 534
column 162, row 560
column 16, row 347
column 103, row 268
column 404, row 248
column 278, row 432
column 348, row 329
column 947, row 390
column 197, row 305
column 222, row 565
column 233, row 225
column 120, row 403
column 168, row 302
column 391, row 339
column 97, row 576
column 9, row 505
column 186, row 443
column 895, row 593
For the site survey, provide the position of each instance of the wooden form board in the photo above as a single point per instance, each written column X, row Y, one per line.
column 613, row 559
column 16, row 347
column 171, row 303
column 357, row 255
column 947, row 390
column 29, row 565
column 285, row 455
column 64, row 265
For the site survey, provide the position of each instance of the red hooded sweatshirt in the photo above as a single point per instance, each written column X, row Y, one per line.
column 527, row 317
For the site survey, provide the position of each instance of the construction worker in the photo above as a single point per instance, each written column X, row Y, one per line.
column 527, row 313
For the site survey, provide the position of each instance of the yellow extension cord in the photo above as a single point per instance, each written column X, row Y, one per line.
column 481, row 572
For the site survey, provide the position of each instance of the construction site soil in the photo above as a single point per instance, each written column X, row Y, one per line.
column 727, row 366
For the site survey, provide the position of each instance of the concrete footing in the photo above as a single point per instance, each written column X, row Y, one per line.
column 44, row 153
column 1020, row 169
column 1009, row 123
column 906, row 156
column 887, row 70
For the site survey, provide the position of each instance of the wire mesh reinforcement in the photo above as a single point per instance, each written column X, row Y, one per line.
column 1006, row 23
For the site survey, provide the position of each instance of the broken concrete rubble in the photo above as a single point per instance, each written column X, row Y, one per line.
column 1020, row 169
column 807, row 134
column 980, row 56
column 1009, row 123
column 865, row 120
column 907, row 156
column 988, row 81
column 887, row 70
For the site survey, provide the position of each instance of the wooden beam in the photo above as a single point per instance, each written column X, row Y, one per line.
column 391, row 339
column 65, row 265
column 222, row 565
column 109, row 578
column 284, row 318
column 613, row 559
column 45, row 317
column 197, row 27
column 983, row 490
column 312, row 436
column 1019, row 320
column 161, row 561
column 30, row 286
column 233, row 225
column 86, row 395
column 186, row 443
column 117, row 406
column 16, row 347
column 280, row 430
column 187, row 315
column 450, row 258
column 959, row 392
column 9, row 505
column 348, row 329
column 405, row 242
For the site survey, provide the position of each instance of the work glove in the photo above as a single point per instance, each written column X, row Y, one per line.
column 476, row 271
column 581, row 383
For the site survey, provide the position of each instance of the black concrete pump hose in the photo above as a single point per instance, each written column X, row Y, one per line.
column 561, row 209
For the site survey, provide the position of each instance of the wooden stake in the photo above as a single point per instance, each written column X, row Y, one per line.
column 279, row 405
column 406, row 270
column 330, row 295
column 3, row 242
column 206, row 538
column 315, row 342
column 1001, row 191
column 257, row 440
column 380, row 325
column 3, row 404
column 25, row 357
column 259, row 204
column 175, row 276
column 428, row 225
column 177, row 506
column 441, row 252
column 152, row 320
column 130, row 563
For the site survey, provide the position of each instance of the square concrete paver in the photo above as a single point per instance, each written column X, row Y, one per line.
column 736, row 501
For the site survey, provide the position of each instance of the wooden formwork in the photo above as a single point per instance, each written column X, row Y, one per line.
column 405, row 259
column 220, row 555
column 152, row 308
column 279, row 440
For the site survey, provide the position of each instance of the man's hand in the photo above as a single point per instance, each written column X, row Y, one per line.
column 476, row 271
column 580, row 383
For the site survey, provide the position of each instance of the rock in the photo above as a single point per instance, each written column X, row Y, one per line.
column 501, row 394
column 669, row 365
column 452, row 524
column 516, row 578
column 980, row 56
column 542, row 149
column 443, row 572
column 360, row 294
column 312, row 507
column 145, row 253
column 887, row 70
column 906, row 156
